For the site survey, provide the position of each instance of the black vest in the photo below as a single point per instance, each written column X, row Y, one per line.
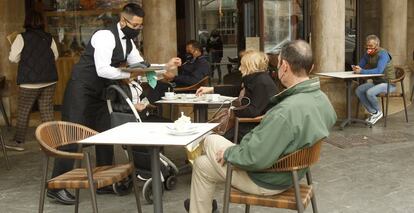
column 37, row 61
column 85, row 71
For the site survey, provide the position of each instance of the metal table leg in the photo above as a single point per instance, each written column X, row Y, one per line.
column 348, row 103
column 349, row 118
column 201, row 113
column 156, row 179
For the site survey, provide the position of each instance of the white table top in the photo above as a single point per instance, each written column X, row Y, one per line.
column 199, row 100
column 147, row 134
column 347, row 75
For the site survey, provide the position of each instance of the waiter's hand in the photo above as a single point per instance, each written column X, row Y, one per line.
column 173, row 63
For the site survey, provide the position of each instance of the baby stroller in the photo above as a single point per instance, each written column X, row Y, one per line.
column 142, row 158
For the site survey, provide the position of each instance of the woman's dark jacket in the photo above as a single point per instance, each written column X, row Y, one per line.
column 259, row 88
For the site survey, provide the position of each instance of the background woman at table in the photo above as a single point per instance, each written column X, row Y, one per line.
column 375, row 61
column 258, row 86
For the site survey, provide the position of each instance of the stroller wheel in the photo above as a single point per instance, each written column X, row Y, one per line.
column 123, row 187
column 147, row 191
column 171, row 182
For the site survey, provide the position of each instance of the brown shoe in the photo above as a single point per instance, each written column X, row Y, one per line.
column 13, row 145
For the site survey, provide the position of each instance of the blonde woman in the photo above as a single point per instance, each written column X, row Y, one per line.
column 258, row 85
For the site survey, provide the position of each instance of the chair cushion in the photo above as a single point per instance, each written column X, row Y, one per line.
column 102, row 176
column 285, row 200
column 392, row 94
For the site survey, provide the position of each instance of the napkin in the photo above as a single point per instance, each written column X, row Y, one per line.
column 151, row 78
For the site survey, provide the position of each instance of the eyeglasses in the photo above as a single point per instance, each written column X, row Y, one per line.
column 135, row 26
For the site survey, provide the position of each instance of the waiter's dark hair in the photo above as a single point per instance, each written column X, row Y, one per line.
column 195, row 44
column 133, row 9
column 34, row 20
column 298, row 54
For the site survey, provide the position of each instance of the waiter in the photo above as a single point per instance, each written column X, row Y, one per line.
column 84, row 101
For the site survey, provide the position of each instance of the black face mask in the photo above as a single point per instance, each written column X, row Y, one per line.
column 130, row 33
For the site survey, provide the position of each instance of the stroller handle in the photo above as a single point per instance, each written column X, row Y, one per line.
column 129, row 102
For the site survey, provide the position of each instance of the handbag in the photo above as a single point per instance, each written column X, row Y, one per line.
column 119, row 118
column 225, row 116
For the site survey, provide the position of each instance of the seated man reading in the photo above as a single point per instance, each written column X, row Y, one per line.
column 193, row 70
column 300, row 115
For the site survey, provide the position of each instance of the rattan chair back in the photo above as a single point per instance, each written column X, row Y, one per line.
column 300, row 159
column 54, row 134
column 201, row 83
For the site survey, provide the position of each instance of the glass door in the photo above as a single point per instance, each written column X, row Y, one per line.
column 283, row 21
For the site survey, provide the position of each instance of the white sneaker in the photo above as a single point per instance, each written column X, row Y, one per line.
column 376, row 117
column 369, row 117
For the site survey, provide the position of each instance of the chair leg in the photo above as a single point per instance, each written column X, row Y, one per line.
column 134, row 179
column 227, row 188
column 405, row 109
column 299, row 205
column 357, row 109
column 43, row 183
column 3, row 112
column 3, row 147
column 247, row 209
column 382, row 104
column 236, row 131
column 91, row 183
column 386, row 111
column 313, row 198
column 77, row 201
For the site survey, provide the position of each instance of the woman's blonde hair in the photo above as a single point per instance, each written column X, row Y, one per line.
column 253, row 61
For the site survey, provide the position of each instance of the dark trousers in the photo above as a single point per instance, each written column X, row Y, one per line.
column 85, row 108
column 27, row 98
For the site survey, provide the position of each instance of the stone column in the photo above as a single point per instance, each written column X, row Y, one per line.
column 328, row 45
column 160, row 33
column 394, row 29
column 11, row 19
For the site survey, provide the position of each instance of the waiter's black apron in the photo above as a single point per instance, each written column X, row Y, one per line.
column 84, row 100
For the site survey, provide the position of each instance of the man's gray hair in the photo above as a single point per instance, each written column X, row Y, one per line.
column 298, row 54
column 373, row 38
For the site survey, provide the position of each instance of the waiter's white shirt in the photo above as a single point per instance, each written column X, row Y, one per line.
column 104, row 43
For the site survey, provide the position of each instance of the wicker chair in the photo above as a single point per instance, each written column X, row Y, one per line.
column 295, row 198
column 238, row 121
column 54, row 134
column 203, row 82
column 3, row 147
column 399, row 78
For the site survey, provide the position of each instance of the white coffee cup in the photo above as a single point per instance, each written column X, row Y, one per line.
column 215, row 97
column 169, row 94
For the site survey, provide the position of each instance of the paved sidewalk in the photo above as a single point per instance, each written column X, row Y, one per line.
column 364, row 177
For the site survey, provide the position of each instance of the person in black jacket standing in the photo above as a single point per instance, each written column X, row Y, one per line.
column 84, row 101
column 36, row 52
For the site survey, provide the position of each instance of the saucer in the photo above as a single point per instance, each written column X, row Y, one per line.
column 190, row 131
column 169, row 98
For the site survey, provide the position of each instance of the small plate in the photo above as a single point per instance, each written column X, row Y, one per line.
column 190, row 96
column 171, row 98
column 190, row 131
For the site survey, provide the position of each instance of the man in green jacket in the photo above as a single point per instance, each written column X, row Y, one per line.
column 301, row 115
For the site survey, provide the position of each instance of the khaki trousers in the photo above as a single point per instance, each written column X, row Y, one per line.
column 207, row 172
